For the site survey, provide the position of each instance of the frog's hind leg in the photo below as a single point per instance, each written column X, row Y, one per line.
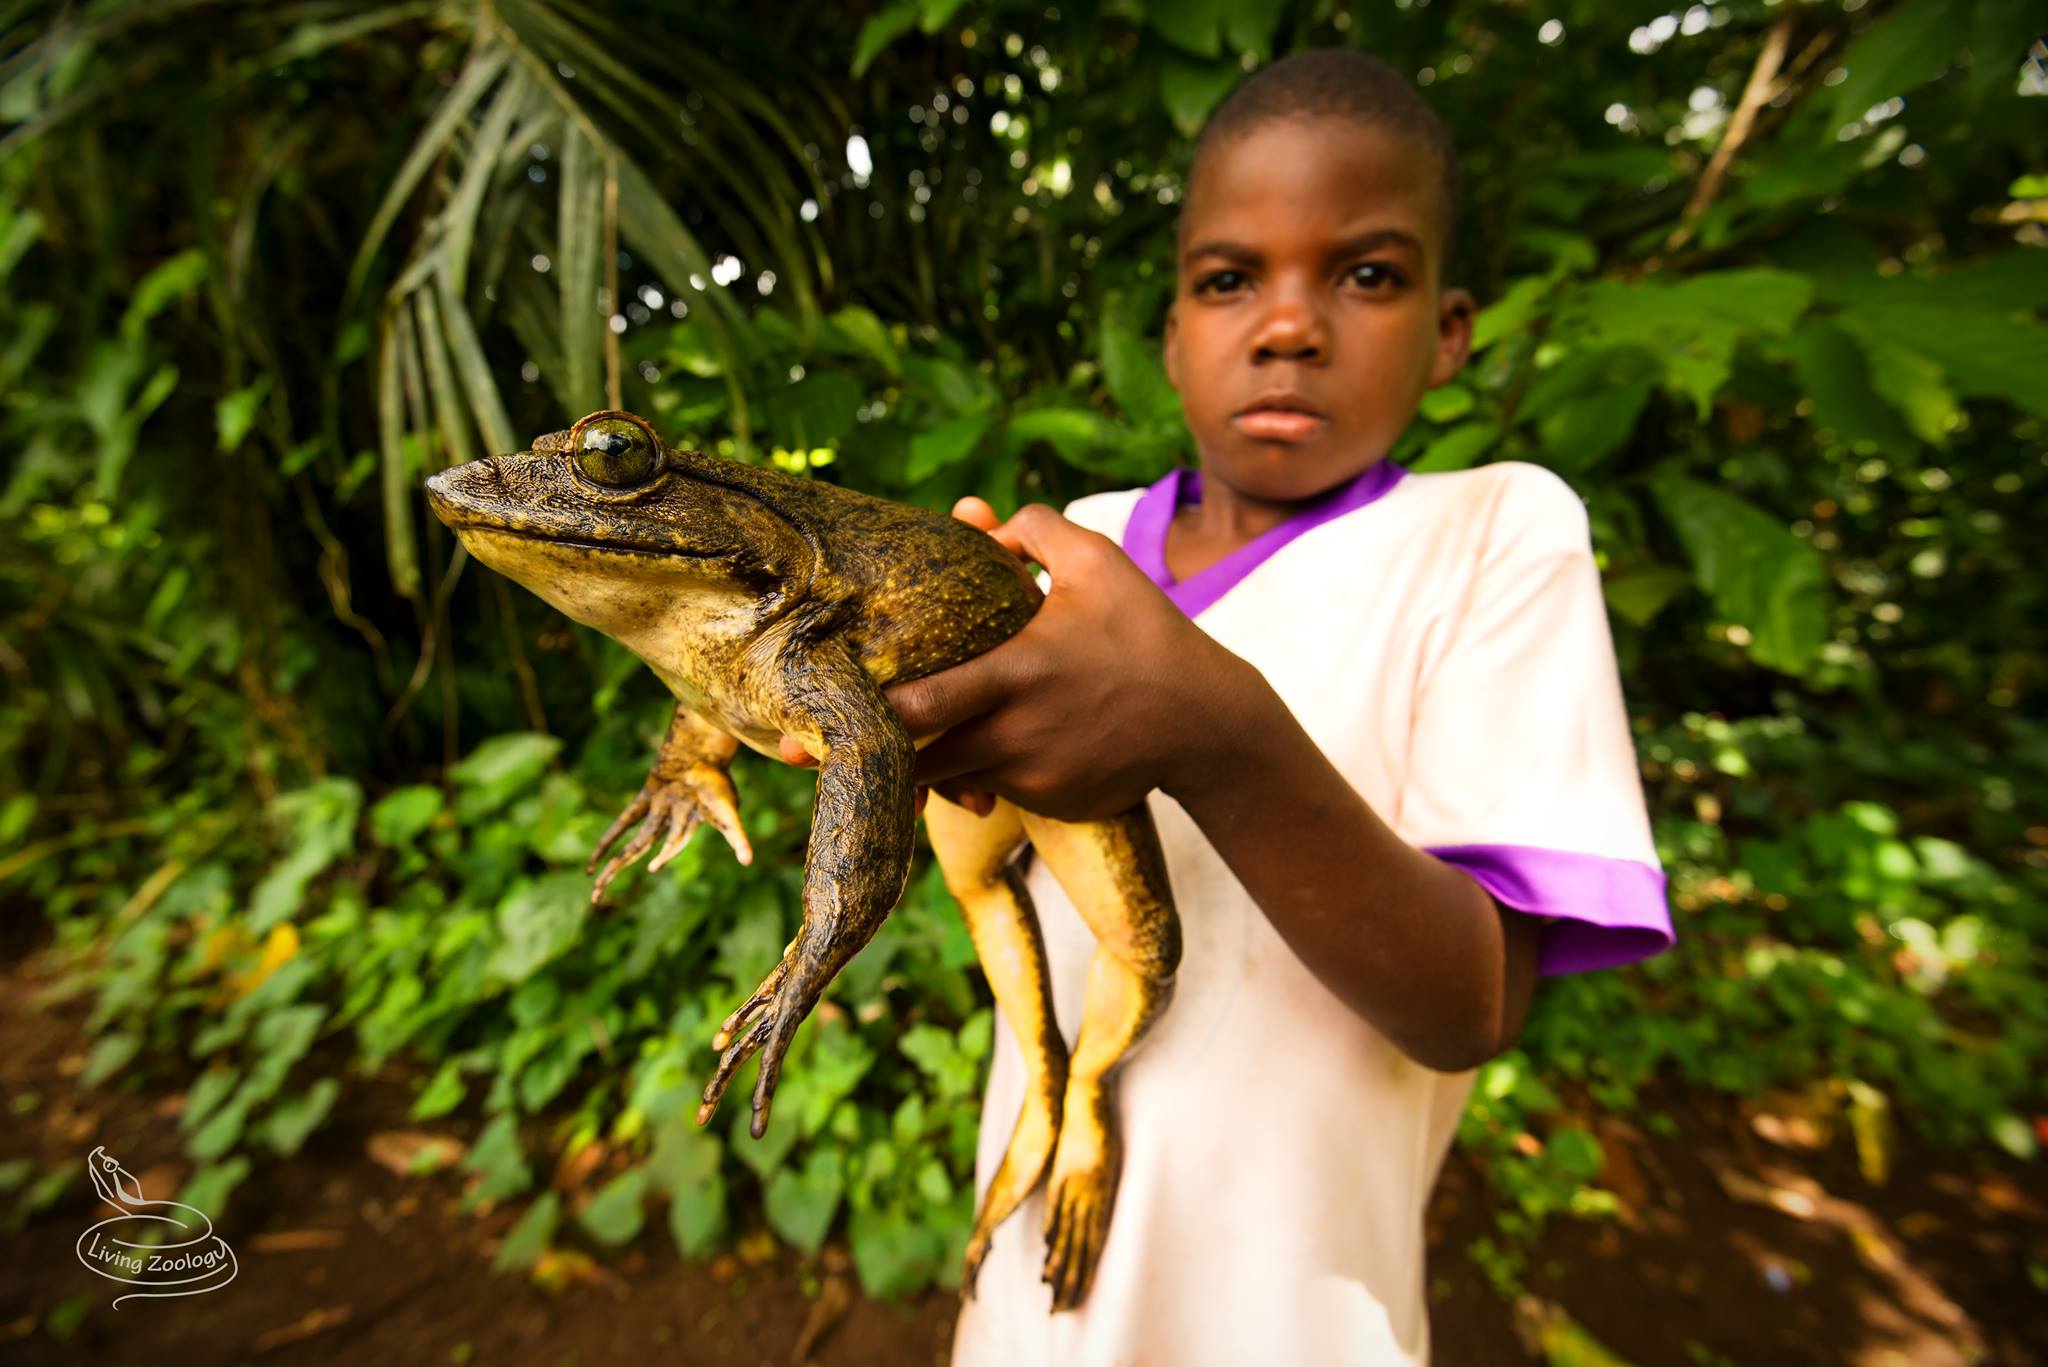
column 1115, row 874
column 974, row 854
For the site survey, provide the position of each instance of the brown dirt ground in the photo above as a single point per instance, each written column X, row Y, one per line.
column 342, row 1261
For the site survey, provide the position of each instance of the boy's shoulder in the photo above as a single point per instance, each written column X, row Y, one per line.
column 1528, row 506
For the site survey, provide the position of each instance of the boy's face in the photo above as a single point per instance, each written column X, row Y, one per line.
column 1309, row 279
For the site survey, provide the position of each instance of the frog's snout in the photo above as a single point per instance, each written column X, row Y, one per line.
column 480, row 483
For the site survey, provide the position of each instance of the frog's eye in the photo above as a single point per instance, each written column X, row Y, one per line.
column 617, row 452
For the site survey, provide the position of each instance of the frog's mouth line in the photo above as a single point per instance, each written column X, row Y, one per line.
column 583, row 543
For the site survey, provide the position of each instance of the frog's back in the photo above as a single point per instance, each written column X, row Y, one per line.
column 922, row 591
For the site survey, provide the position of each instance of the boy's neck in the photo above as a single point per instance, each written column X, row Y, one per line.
column 1212, row 520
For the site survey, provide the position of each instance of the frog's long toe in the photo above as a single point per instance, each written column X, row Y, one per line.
column 669, row 811
column 736, row 1053
column 1077, row 1223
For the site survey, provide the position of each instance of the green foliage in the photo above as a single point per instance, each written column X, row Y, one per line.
column 298, row 790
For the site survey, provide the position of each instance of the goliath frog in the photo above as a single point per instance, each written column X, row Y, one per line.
column 773, row 606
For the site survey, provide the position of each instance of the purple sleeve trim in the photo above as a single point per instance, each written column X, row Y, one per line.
column 1611, row 911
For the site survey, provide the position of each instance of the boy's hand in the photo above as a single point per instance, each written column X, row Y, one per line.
column 1107, row 693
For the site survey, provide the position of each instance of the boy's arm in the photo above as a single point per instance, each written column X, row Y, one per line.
column 1110, row 691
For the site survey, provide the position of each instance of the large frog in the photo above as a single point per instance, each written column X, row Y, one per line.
column 773, row 606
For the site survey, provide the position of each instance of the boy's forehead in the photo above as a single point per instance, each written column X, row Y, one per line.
column 1294, row 181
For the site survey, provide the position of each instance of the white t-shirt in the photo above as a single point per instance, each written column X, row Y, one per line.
column 1442, row 637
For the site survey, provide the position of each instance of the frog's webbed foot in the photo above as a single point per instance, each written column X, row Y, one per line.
column 687, row 785
column 1079, row 1200
column 854, row 871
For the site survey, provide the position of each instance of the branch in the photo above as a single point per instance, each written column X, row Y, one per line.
column 1762, row 78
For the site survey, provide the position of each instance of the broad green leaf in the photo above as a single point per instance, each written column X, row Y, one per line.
column 1195, row 25
column 1908, row 47
column 947, row 444
column 684, row 1157
column 527, row 1240
column 442, row 1094
column 537, row 922
column 214, row 1086
column 1446, row 403
column 1135, row 376
column 164, row 285
column 1759, row 574
column 958, row 388
column 891, row 1254
column 110, row 1054
column 209, row 1188
column 882, row 28
column 291, row 1120
column 501, row 1160
column 1692, row 328
column 800, row 1206
column 821, row 409
column 403, row 813
column 697, row 1216
column 617, row 1212
column 1831, row 368
column 1581, row 431
column 499, row 770
column 1190, row 90
column 1076, row 433
column 1456, row 449
column 1639, row 595
column 234, row 413
column 866, row 335
column 1983, row 354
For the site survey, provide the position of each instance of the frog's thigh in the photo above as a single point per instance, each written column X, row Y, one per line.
column 1115, row 874
column 974, row 854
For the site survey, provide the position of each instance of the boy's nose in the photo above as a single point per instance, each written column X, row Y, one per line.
column 1291, row 332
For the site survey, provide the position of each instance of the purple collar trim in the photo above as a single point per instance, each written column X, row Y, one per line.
column 1145, row 533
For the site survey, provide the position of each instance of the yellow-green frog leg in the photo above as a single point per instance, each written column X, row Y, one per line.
column 1115, row 874
column 855, row 868
column 974, row 854
column 687, row 784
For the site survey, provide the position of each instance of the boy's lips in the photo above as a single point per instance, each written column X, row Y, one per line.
column 1279, row 417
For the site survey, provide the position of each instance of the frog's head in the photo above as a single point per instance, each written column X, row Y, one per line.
column 605, row 521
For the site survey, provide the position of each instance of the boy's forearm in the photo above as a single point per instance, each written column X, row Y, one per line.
column 1413, row 945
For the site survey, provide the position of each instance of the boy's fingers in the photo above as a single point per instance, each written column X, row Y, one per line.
column 1038, row 533
column 977, row 512
column 973, row 799
column 793, row 752
column 938, row 702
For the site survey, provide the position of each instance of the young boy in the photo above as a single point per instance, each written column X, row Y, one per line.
column 1381, row 726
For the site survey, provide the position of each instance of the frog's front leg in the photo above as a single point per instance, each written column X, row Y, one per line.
column 855, row 869
column 687, row 784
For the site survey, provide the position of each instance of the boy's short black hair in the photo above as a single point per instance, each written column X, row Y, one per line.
column 1341, row 83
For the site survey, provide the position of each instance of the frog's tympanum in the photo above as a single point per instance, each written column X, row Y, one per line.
column 776, row 606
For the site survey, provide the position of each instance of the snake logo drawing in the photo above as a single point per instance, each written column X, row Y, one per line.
column 185, row 1259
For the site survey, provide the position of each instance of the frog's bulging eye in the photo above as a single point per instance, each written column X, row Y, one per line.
column 616, row 452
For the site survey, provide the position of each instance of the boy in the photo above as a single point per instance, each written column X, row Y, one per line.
column 1380, row 721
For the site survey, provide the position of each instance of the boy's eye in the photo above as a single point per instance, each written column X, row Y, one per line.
column 1224, row 280
column 1373, row 275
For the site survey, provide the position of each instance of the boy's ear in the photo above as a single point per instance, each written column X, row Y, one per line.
column 1454, row 311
